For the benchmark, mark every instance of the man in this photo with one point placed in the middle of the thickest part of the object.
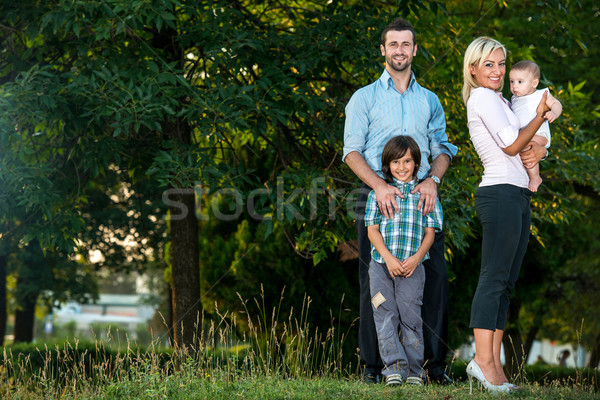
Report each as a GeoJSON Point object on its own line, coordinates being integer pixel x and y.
{"type": "Point", "coordinates": [397, 105]}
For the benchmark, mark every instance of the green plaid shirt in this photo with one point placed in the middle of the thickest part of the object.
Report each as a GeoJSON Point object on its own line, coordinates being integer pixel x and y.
{"type": "Point", "coordinates": [403, 233]}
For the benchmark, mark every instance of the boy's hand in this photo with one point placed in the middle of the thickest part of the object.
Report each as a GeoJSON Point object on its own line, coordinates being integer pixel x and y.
{"type": "Point", "coordinates": [394, 266]}
{"type": "Point", "coordinates": [409, 265]}
{"type": "Point", "coordinates": [550, 116]}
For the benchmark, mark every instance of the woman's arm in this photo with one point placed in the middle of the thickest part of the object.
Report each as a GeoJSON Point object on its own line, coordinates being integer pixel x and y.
{"type": "Point", "coordinates": [526, 133]}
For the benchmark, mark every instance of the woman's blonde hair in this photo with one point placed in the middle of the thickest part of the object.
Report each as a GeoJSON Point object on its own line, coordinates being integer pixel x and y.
{"type": "Point", "coordinates": [476, 53]}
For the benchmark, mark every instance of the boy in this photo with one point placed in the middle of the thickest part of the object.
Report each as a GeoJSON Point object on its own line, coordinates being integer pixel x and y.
{"type": "Point", "coordinates": [524, 78]}
{"type": "Point", "coordinates": [397, 277]}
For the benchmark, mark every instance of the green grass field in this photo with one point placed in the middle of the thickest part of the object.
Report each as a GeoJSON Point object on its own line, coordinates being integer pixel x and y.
{"type": "Point", "coordinates": [273, 360]}
{"type": "Point", "coordinates": [262, 387]}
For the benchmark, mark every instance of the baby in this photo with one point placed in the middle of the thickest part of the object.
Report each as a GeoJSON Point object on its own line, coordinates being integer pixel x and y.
{"type": "Point", "coordinates": [524, 78]}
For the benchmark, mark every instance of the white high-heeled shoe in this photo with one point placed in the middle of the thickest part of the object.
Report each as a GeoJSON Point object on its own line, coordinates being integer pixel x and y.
{"type": "Point", "coordinates": [512, 386]}
{"type": "Point", "coordinates": [473, 371]}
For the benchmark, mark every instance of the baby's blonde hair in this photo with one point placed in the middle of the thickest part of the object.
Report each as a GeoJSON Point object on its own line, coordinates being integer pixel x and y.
{"type": "Point", "coordinates": [476, 53]}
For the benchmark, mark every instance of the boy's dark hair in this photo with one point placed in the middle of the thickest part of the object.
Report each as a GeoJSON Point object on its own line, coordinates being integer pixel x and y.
{"type": "Point", "coordinates": [396, 148]}
{"type": "Point", "coordinates": [529, 66]}
{"type": "Point", "coordinates": [399, 24]}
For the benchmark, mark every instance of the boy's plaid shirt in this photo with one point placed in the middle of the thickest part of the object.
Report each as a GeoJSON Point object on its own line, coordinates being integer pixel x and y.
{"type": "Point", "coordinates": [403, 233]}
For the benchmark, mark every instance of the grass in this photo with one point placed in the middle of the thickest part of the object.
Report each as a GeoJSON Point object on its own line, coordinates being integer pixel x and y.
{"type": "Point", "coordinates": [262, 387]}
{"type": "Point", "coordinates": [271, 359]}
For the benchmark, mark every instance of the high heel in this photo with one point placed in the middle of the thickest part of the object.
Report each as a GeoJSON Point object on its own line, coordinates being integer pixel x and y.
{"type": "Point", "coordinates": [473, 371]}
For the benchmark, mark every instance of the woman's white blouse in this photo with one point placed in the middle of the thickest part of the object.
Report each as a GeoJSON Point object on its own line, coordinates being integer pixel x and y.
{"type": "Point", "coordinates": [493, 126]}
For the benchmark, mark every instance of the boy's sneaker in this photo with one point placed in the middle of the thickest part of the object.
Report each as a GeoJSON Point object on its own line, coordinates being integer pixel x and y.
{"type": "Point", "coordinates": [414, 380]}
{"type": "Point", "coordinates": [393, 380]}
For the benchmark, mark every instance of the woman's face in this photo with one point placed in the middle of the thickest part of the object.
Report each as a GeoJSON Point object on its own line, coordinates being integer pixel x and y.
{"type": "Point", "coordinates": [490, 73]}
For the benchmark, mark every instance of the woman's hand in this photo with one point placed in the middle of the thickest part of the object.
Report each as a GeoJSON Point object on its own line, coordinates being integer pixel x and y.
{"type": "Point", "coordinates": [543, 108]}
{"type": "Point", "coordinates": [532, 154]}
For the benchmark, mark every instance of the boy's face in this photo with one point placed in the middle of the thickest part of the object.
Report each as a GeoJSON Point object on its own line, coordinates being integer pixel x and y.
{"type": "Point", "coordinates": [403, 168]}
{"type": "Point", "coordinates": [522, 82]}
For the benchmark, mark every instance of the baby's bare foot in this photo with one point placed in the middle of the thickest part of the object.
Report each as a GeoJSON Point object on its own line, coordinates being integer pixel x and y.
{"type": "Point", "coordinates": [534, 183]}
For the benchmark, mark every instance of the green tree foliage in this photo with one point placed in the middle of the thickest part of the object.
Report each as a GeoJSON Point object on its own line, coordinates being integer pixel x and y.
{"type": "Point", "coordinates": [118, 111]}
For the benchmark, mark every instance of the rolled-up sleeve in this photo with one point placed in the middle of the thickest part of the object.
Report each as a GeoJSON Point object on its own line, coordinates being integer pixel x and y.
{"type": "Point", "coordinates": [439, 143]}
{"type": "Point", "coordinates": [435, 219]}
{"type": "Point", "coordinates": [372, 214]}
{"type": "Point", "coordinates": [493, 115]}
{"type": "Point", "coordinates": [357, 124]}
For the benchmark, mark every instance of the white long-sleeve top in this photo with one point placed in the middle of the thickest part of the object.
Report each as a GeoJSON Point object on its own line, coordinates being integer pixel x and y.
{"type": "Point", "coordinates": [492, 127]}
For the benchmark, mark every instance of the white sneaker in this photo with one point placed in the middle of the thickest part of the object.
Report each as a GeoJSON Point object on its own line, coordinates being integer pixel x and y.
{"type": "Point", "coordinates": [393, 380]}
{"type": "Point", "coordinates": [414, 380]}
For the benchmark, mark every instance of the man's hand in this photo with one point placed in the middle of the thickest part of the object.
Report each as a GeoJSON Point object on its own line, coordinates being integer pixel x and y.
{"type": "Point", "coordinates": [386, 199]}
{"type": "Point", "coordinates": [428, 191]}
{"type": "Point", "coordinates": [532, 154]}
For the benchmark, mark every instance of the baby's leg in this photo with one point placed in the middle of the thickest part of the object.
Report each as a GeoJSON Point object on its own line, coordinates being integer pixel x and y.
{"type": "Point", "coordinates": [535, 180]}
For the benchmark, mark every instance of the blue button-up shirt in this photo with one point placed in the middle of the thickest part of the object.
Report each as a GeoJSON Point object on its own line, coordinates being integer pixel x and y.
{"type": "Point", "coordinates": [378, 112]}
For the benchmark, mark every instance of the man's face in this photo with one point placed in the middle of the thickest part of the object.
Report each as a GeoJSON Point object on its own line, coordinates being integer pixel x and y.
{"type": "Point", "coordinates": [522, 82]}
{"type": "Point", "coordinates": [399, 50]}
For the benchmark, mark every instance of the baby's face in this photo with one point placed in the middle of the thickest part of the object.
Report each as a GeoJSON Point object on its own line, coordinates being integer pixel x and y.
{"type": "Point", "coordinates": [522, 82]}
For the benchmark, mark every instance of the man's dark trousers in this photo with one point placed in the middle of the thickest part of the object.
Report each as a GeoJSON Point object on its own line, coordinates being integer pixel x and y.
{"type": "Point", "coordinates": [435, 302]}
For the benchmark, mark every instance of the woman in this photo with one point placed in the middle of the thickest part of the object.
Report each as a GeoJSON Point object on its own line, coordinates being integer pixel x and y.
{"type": "Point", "coordinates": [502, 202]}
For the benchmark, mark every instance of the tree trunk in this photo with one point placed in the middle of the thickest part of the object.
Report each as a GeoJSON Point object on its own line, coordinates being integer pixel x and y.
{"type": "Point", "coordinates": [185, 271]}
{"type": "Point", "coordinates": [595, 356]}
{"type": "Point", "coordinates": [514, 354]}
{"type": "Point", "coordinates": [32, 276]}
{"type": "Point", "coordinates": [170, 319]}
{"type": "Point", "coordinates": [25, 314]}
{"type": "Point", "coordinates": [185, 263]}
{"type": "Point", "coordinates": [3, 315]}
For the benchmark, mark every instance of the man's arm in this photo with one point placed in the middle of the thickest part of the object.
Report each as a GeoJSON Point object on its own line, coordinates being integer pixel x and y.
{"type": "Point", "coordinates": [428, 188]}
{"type": "Point", "coordinates": [441, 151]}
{"type": "Point", "coordinates": [385, 194]}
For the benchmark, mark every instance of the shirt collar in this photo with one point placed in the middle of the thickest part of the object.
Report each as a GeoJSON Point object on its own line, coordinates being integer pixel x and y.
{"type": "Point", "coordinates": [405, 185]}
{"type": "Point", "coordinates": [388, 82]}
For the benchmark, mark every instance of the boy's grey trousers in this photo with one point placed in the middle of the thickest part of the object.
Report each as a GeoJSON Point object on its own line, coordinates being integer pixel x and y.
{"type": "Point", "coordinates": [398, 302]}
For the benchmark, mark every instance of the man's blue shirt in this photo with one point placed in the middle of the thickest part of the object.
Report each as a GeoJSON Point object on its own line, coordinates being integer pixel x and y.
{"type": "Point", "coordinates": [378, 112]}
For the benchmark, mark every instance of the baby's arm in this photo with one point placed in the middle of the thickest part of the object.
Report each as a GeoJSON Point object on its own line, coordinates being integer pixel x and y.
{"type": "Point", "coordinates": [393, 265]}
{"type": "Point", "coordinates": [410, 264]}
{"type": "Point", "coordinates": [555, 108]}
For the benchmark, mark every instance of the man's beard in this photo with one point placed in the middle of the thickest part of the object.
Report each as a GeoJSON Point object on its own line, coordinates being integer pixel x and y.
{"type": "Point", "coordinates": [398, 66]}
